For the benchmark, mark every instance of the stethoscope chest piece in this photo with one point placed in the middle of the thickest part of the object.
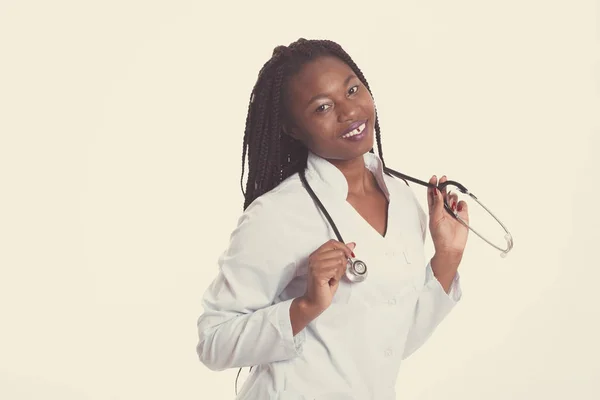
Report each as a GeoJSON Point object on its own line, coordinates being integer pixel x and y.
{"type": "Point", "coordinates": [356, 270]}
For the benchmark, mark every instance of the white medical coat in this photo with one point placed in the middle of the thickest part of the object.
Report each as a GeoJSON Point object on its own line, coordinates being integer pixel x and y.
{"type": "Point", "coordinates": [353, 350]}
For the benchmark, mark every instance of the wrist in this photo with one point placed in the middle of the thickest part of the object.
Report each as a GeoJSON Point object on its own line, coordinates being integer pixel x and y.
{"type": "Point", "coordinates": [302, 313]}
{"type": "Point", "coordinates": [307, 308]}
{"type": "Point", "coordinates": [446, 262]}
{"type": "Point", "coordinates": [444, 268]}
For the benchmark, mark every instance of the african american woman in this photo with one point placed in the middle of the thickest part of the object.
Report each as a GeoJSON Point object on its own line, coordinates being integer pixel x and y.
{"type": "Point", "coordinates": [282, 301]}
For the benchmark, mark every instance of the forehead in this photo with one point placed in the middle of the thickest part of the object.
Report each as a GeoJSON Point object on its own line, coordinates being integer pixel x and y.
{"type": "Point", "coordinates": [322, 75]}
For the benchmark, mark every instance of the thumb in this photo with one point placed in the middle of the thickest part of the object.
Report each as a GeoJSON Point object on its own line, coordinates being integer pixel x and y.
{"type": "Point", "coordinates": [351, 245]}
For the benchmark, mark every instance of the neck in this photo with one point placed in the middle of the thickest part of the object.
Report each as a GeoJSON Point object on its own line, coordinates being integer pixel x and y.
{"type": "Point", "coordinates": [359, 178]}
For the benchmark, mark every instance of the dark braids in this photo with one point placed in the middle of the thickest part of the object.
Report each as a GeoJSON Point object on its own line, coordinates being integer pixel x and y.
{"type": "Point", "coordinates": [272, 155]}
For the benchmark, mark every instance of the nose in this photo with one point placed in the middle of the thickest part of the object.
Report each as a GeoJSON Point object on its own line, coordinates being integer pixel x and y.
{"type": "Point", "coordinates": [346, 111]}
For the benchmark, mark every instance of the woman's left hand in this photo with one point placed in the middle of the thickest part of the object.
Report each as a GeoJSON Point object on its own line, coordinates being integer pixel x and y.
{"type": "Point", "coordinates": [448, 234]}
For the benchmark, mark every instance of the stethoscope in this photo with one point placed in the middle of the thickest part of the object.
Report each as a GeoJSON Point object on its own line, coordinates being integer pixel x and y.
{"type": "Point", "coordinates": [356, 270]}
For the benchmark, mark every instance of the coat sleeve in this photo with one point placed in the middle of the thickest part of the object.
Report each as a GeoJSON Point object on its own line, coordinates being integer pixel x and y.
{"type": "Point", "coordinates": [433, 304]}
{"type": "Point", "coordinates": [243, 323]}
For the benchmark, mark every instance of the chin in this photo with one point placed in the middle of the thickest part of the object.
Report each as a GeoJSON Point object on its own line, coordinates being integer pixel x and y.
{"type": "Point", "coordinates": [361, 150]}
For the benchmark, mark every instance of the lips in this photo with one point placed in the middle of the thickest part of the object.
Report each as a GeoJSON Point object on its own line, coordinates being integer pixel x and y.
{"type": "Point", "coordinates": [353, 126]}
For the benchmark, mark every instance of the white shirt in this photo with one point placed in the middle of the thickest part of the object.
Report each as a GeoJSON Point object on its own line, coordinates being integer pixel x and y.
{"type": "Point", "coordinates": [353, 350]}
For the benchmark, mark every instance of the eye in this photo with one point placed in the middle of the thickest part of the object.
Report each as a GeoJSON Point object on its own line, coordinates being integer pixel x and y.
{"type": "Point", "coordinates": [353, 89]}
{"type": "Point", "coordinates": [322, 108]}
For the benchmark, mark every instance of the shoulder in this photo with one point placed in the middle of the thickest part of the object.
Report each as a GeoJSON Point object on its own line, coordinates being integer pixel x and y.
{"type": "Point", "coordinates": [272, 230]}
{"type": "Point", "coordinates": [277, 209]}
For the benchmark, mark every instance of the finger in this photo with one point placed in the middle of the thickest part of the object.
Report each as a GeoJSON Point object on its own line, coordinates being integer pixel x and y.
{"type": "Point", "coordinates": [338, 271]}
{"type": "Point", "coordinates": [444, 189]}
{"type": "Point", "coordinates": [333, 269]}
{"type": "Point", "coordinates": [437, 207]}
{"type": "Point", "coordinates": [328, 255]}
{"type": "Point", "coordinates": [463, 211]}
{"type": "Point", "coordinates": [333, 244]}
{"type": "Point", "coordinates": [452, 200]}
{"type": "Point", "coordinates": [431, 193]}
{"type": "Point", "coordinates": [330, 264]}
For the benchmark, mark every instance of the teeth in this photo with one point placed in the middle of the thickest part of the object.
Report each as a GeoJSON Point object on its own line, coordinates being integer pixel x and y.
{"type": "Point", "coordinates": [355, 132]}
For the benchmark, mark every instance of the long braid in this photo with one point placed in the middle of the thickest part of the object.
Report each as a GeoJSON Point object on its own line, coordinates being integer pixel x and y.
{"type": "Point", "coordinates": [275, 112]}
{"type": "Point", "coordinates": [244, 145]}
{"type": "Point", "coordinates": [378, 138]}
{"type": "Point", "coordinates": [272, 168]}
{"type": "Point", "coordinates": [256, 144]}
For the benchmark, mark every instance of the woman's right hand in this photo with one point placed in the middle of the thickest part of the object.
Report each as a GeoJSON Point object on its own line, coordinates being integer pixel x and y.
{"type": "Point", "coordinates": [326, 266]}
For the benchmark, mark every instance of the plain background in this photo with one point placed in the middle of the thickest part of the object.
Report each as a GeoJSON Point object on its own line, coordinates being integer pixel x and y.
{"type": "Point", "coordinates": [120, 159]}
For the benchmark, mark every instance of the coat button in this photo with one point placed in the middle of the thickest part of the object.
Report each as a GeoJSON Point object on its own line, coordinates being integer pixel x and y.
{"type": "Point", "coordinates": [392, 301]}
{"type": "Point", "coordinates": [388, 352]}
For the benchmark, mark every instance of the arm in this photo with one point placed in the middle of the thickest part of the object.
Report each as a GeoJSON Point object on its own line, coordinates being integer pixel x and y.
{"type": "Point", "coordinates": [301, 314]}
{"type": "Point", "coordinates": [440, 293]}
{"type": "Point", "coordinates": [433, 305]}
{"type": "Point", "coordinates": [240, 325]}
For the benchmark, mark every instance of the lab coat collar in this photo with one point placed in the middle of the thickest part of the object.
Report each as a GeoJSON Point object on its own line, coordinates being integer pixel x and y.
{"type": "Point", "coordinates": [332, 177]}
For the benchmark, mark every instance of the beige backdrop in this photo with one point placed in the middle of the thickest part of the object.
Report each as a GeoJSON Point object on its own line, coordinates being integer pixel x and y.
{"type": "Point", "coordinates": [120, 153]}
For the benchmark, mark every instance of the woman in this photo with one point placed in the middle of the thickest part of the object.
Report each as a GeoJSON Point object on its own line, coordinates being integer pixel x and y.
{"type": "Point", "coordinates": [280, 301]}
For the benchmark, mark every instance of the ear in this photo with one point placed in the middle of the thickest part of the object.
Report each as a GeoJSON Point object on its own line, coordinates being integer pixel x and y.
{"type": "Point", "coordinates": [290, 131]}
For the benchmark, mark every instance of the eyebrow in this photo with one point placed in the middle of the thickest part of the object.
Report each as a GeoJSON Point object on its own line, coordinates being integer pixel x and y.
{"type": "Point", "coordinates": [315, 97]}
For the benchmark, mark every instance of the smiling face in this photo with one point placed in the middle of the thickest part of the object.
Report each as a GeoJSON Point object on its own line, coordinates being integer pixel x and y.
{"type": "Point", "coordinates": [330, 110]}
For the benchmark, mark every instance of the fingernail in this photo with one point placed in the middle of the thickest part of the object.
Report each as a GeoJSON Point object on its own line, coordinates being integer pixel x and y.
{"type": "Point", "coordinates": [353, 254]}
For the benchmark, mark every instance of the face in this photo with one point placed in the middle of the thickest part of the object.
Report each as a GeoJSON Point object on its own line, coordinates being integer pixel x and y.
{"type": "Point", "coordinates": [331, 111]}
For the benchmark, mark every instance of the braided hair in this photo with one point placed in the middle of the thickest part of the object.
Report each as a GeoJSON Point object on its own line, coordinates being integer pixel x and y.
{"type": "Point", "coordinates": [273, 155]}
